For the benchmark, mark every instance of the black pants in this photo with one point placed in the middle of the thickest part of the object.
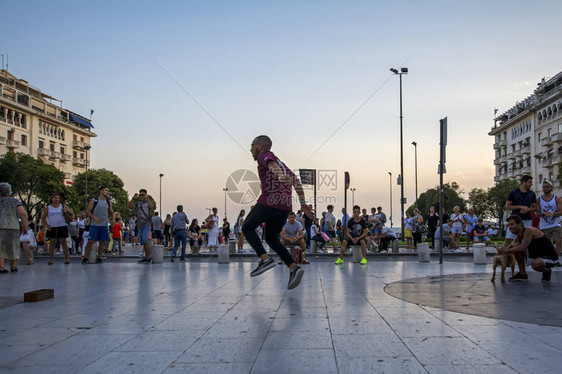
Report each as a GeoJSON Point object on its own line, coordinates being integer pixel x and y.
{"type": "Point", "coordinates": [417, 238]}
{"type": "Point", "coordinates": [431, 232]}
{"type": "Point", "coordinates": [274, 219]}
{"type": "Point", "coordinates": [385, 241]}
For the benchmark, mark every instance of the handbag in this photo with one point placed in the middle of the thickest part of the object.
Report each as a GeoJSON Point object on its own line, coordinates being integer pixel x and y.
{"type": "Point", "coordinates": [325, 236]}
{"type": "Point", "coordinates": [68, 215]}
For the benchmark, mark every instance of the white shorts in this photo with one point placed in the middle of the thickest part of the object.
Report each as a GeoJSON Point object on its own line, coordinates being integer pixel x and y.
{"type": "Point", "coordinates": [456, 230]}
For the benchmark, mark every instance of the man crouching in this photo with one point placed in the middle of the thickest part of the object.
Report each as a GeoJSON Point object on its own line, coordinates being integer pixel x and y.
{"type": "Point", "coordinates": [531, 241]}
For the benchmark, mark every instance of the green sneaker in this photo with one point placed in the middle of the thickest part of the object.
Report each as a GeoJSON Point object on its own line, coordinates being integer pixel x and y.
{"type": "Point", "coordinates": [363, 261]}
{"type": "Point", "coordinates": [339, 261]}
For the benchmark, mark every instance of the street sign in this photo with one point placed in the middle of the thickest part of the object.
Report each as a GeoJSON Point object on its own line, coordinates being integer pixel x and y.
{"type": "Point", "coordinates": [346, 180]}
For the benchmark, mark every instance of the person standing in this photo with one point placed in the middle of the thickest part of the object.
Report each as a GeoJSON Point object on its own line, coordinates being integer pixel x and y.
{"type": "Point", "coordinates": [417, 227]}
{"type": "Point", "coordinates": [101, 215]}
{"type": "Point", "coordinates": [213, 230]}
{"type": "Point", "coordinates": [238, 230]}
{"type": "Point", "coordinates": [157, 226]}
{"type": "Point", "coordinates": [272, 208]}
{"type": "Point", "coordinates": [344, 222]}
{"type": "Point", "coordinates": [458, 220]}
{"type": "Point", "coordinates": [307, 223]}
{"type": "Point", "coordinates": [550, 212]}
{"type": "Point", "coordinates": [471, 220]}
{"type": "Point", "coordinates": [330, 226]}
{"type": "Point", "coordinates": [143, 206]}
{"type": "Point", "coordinates": [133, 230]}
{"type": "Point", "coordinates": [432, 221]}
{"type": "Point", "coordinates": [179, 224]}
{"type": "Point", "coordinates": [225, 230]}
{"type": "Point", "coordinates": [53, 218]}
{"type": "Point", "coordinates": [13, 223]}
{"type": "Point", "coordinates": [167, 232]}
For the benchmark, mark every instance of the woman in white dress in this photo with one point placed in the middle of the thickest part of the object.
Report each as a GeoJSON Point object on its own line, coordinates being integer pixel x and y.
{"type": "Point", "coordinates": [213, 230]}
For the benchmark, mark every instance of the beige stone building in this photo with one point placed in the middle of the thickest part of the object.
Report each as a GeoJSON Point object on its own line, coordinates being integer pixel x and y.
{"type": "Point", "coordinates": [528, 137]}
{"type": "Point", "coordinates": [35, 123]}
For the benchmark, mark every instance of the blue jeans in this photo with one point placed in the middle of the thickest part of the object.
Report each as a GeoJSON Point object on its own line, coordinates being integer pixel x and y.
{"type": "Point", "coordinates": [180, 235]}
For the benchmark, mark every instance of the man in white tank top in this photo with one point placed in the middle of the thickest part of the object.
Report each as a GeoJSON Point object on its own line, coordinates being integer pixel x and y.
{"type": "Point", "coordinates": [550, 212]}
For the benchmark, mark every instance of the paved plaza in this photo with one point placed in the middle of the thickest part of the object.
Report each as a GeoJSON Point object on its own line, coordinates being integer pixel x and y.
{"type": "Point", "coordinates": [205, 317]}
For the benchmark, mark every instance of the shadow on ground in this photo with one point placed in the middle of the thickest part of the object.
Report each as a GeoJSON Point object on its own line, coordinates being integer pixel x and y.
{"type": "Point", "coordinates": [530, 302]}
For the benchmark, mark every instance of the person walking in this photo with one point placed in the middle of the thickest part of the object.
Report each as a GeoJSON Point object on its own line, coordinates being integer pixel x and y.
{"type": "Point", "coordinates": [179, 224]}
{"type": "Point", "coordinates": [101, 215]}
{"type": "Point", "coordinates": [53, 218]}
{"type": "Point", "coordinates": [13, 223]}
{"type": "Point", "coordinates": [143, 206]}
{"type": "Point", "coordinates": [273, 208]}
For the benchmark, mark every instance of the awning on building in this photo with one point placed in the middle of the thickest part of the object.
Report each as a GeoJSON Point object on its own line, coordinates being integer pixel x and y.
{"type": "Point", "coordinates": [80, 120]}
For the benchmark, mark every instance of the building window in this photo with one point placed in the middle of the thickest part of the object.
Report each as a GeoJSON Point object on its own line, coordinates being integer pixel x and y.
{"type": "Point", "coordinates": [539, 137]}
{"type": "Point", "coordinates": [549, 132]}
{"type": "Point", "coordinates": [24, 140]}
{"type": "Point", "coordinates": [62, 150]}
{"type": "Point", "coordinates": [41, 144]}
{"type": "Point", "coordinates": [52, 147]}
{"type": "Point", "coordinates": [23, 121]}
{"type": "Point", "coordinates": [75, 154]}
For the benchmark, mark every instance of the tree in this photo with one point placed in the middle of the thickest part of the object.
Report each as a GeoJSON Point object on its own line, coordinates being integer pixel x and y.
{"type": "Point", "coordinates": [32, 181]}
{"type": "Point", "coordinates": [479, 200]}
{"type": "Point", "coordinates": [497, 196]}
{"type": "Point", "coordinates": [96, 178]}
{"type": "Point", "coordinates": [451, 198]}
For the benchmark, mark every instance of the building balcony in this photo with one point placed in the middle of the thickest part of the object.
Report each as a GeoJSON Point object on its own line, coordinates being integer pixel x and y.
{"type": "Point", "coordinates": [65, 158]}
{"type": "Point", "coordinates": [78, 162]}
{"type": "Point", "coordinates": [552, 161]}
{"type": "Point", "coordinates": [2, 140]}
{"type": "Point", "coordinates": [525, 170]}
{"type": "Point", "coordinates": [546, 141]}
{"type": "Point", "coordinates": [43, 152]}
{"type": "Point", "coordinates": [78, 144]}
{"type": "Point", "coordinates": [526, 150]}
{"type": "Point", "coordinates": [67, 175]}
{"type": "Point", "coordinates": [10, 143]}
{"type": "Point", "coordinates": [54, 155]}
{"type": "Point", "coordinates": [511, 156]}
{"type": "Point", "coordinates": [556, 138]}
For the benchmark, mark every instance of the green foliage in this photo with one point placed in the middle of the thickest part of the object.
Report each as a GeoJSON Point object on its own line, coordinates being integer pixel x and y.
{"type": "Point", "coordinates": [97, 178]}
{"type": "Point", "coordinates": [478, 200]}
{"type": "Point", "coordinates": [32, 181]}
{"type": "Point", "coordinates": [497, 196]}
{"type": "Point", "coordinates": [451, 198]}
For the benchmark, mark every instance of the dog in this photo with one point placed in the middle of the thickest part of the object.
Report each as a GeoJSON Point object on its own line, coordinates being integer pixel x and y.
{"type": "Point", "coordinates": [505, 260]}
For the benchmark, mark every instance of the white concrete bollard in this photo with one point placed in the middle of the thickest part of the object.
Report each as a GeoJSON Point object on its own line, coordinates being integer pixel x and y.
{"type": "Point", "coordinates": [232, 246]}
{"type": "Point", "coordinates": [224, 255]}
{"type": "Point", "coordinates": [356, 253]}
{"type": "Point", "coordinates": [313, 246]}
{"type": "Point", "coordinates": [157, 254]}
{"type": "Point", "coordinates": [93, 253]}
{"type": "Point", "coordinates": [423, 252]}
{"type": "Point", "coordinates": [479, 253]}
{"type": "Point", "coordinates": [395, 246]}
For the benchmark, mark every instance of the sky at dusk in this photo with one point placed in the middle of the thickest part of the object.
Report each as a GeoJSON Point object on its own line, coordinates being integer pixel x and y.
{"type": "Point", "coordinates": [182, 87]}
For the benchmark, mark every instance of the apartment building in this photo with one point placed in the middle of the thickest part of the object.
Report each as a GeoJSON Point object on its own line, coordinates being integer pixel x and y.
{"type": "Point", "coordinates": [35, 123]}
{"type": "Point", "coordinates": [528, 136]}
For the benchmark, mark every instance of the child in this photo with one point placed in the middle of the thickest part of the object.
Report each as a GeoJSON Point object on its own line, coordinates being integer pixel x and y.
{"type": "Point", "coordinates": [116, 233]}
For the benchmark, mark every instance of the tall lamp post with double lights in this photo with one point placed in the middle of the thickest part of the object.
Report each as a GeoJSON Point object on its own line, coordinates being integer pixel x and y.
{"type": "Point", "coordinates": [390, 175]}
{"type": "Point", "coordinates": [400, 73]}
{"type": "Point", "coordinates": [416, 168]}
{"type": "Point", "coordinates": [353, 196]}
{"type": "Point", "coordinates": [161, 212]}
{"type": "Point", "coordinates": [87, 148]}
{"type": "Point", "coordinates": [225, 190]}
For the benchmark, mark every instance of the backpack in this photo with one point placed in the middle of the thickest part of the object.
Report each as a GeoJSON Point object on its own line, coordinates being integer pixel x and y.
{"type": "Point", "coordinates": [96, 203]}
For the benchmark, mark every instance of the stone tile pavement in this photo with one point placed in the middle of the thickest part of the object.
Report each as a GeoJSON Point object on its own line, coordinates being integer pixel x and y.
{"type": "Point", "coordinates": [205, 317]}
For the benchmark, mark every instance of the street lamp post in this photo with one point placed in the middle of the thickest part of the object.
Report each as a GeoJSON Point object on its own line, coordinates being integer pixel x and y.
{"type": "Point", "coordinates": [161, 211]}
{"type": "Point", "coordinates": [87, 148]}
{"type": "Point", "coordinates": [390, 175]}
{"type": "Point", "coordinates": [400, 73]}
{"type": "Point", "coordinates": [225, 190]}
{"type": "Point", "coordinates": [416, 168]}
{"type": "Point", "coordinates": [353, 196]}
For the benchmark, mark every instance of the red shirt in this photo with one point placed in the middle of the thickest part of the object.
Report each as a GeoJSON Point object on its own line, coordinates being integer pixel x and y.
{"type": "Point", "coordinates": [116, 231]}
{"type": "Point", "coordinates": [274, 194]}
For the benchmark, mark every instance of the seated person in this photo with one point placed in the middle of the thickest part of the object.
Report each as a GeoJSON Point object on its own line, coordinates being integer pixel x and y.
{"type": "Point", "coordinates": [386, 236]}
{"type": "Point", "coordinates": [195, 234]}
{"type": "Point", "coordinates": [447, 237]}
{"type": "Point", "coordinates": [531, 241]}
{"type": "Point", "coordinates": [356, 233]}
{"type": "Point", "coordinates": [372, 236]}
{"type": "Point", "coordinates": [317, 235]}
{"type": "Point", "coordinates": [292, 234]}
{"type": "Point", "coordinates": [480, 233]}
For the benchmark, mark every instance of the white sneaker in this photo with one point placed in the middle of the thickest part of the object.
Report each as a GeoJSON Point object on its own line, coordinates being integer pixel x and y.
{"type": "Point", "coordinates": [383, 251]}
{"type": "Point", "coordinates": [458, 250]}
